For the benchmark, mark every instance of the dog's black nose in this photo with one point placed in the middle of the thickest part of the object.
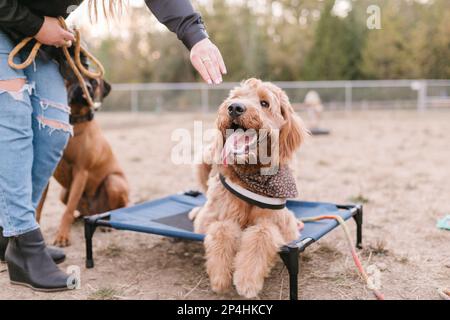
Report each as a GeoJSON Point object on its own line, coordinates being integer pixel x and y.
{"type": "Point", "coordinates": [236, 109]}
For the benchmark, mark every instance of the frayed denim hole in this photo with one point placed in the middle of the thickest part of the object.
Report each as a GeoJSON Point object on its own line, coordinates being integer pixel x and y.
{"type": "Point", "coordinates": [54, 125]}
{"type": "Point", "coordinates": [45, 104]}
{"type": "Point", "coordinates": [20, 94]}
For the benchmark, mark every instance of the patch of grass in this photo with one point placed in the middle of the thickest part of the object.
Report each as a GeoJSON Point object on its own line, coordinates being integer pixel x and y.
{"type": "Point", "coordinates": [379, 248]}
{"type": "Point", "coordinates": [323, 163]}
{"type": "Point", "coordinates": [401, 258]}
{"type": "Point", "coordinates": [326, 249]}
{"type": "Point", "coordinates": [106, 293]}
{"type": "Point", "coordinates": [112, 251]}
{"type": "Point", "coordinates": [360, 198]}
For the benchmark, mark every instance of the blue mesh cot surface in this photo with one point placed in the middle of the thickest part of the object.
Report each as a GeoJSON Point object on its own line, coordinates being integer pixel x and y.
{"type": "Point", "coordinates": [169, 217]}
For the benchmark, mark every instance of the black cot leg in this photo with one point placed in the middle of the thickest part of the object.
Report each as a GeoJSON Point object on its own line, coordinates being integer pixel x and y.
{"type": "Point", "coordinates": [359, 220]}
{"type": "Point", "coordinates": [89, 230]}
{"type": "Point", "coordinates": [289, 255]}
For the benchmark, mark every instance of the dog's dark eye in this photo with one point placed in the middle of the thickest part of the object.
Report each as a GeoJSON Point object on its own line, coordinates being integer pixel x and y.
{"type": "Point", "coordinates": [264, 104]}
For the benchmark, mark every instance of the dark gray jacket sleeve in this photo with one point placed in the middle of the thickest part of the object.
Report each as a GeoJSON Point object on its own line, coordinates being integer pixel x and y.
{"type": "Point", "coordinates": [179, 17]}
{"type": "Point", "coordinates": [16, 16]}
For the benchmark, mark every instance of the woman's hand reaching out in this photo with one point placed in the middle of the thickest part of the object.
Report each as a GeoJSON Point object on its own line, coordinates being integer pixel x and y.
{"type": "Point", "coordinates": [52, 34]}
{"type": "Point", "coordinates": [207, 60]}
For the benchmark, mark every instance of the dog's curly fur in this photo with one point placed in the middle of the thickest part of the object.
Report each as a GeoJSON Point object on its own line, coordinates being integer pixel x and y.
{"type": "Point", "coordinates": [242, 240]}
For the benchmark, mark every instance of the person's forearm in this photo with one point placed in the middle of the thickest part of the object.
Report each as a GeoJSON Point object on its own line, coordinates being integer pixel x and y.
{"type": "Point", "coordinates": [179, 17]}
{"type": "Point", "coordinates": [17, 17]}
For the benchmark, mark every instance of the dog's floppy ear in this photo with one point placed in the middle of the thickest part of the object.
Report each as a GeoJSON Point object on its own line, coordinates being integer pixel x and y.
{"type": "Point", "coordinates": [293, 131]}
{"type": "Point", "coordinates": [106, 88]}
{"type": "Point", "coordinates": [251, 82]}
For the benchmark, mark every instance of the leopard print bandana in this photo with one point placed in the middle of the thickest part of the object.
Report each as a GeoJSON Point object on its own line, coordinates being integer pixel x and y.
{"type": "Point", "coordinates": [279, 185]}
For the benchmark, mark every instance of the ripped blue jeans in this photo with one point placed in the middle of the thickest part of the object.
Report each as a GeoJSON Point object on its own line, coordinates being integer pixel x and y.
{"type": "Point", "coordinates": [34, 130]}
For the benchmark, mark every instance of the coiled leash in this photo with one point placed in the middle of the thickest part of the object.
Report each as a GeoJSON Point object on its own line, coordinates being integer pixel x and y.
{"type": "Point", "coordinates": [77, 67]}
{"type": "Point", "coordinates": [356, 259]}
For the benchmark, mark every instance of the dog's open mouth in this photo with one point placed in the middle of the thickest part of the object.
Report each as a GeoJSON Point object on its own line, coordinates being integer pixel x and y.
{"type": "Point", "coordinates": [240, 146]}
{"type": "Point", "coordinates": [235, 126]}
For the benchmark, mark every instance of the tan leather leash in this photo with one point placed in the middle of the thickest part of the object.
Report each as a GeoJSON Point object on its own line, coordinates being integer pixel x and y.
{"type": "Point", "coordinates": [77, 67]}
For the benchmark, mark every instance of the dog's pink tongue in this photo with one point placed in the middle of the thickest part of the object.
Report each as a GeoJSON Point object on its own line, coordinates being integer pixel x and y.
{"type": "Point", "coordinates": [237, 144]}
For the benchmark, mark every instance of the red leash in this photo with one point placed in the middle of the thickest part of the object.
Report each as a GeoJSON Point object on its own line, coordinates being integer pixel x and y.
{"type": "Point", "coordinates": [355, 256]}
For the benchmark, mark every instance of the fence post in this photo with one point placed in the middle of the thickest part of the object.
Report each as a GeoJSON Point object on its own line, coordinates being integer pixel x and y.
{"type": "Point", "coordinates": [422, 96]}
{"type": "Point", "coordinates": [134, 100]}
{"type": "Point", "coordinates": [348, 96]}
{"type": "Point", "coordinates": [205, 98]}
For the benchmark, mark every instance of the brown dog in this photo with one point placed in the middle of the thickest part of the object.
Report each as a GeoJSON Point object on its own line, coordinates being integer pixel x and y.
{"type": "Point", "coordinates": [90, 174]}
{"type": "Point", "coordinates": [242, 239]}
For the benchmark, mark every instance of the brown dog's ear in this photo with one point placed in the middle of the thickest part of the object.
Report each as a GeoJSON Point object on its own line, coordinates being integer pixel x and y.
{"type": "Point", "coordinates": [293, 132]}
{"type": "Point", "coordinates": [106, 88]}
{"type": "Point", "coordinates": [251, 82]}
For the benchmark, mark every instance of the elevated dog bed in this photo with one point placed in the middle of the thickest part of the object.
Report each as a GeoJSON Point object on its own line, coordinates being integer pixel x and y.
{"type": "Point", "coordinates": [169, 217]}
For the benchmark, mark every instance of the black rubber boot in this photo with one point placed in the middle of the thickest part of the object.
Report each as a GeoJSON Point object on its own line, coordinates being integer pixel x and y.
{"type": "Point", "coordinates": [29, 264]}
{"type": "Point", "coordinates": [57, 254]}
{"type": "Point", "coordinates": [3, 245]}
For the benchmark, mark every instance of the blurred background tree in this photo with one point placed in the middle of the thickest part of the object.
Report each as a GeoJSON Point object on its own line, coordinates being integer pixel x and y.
{"type": "Point", "coordinates": [336, 52]}
{"type": "Point", "coordinates": [285, 40]}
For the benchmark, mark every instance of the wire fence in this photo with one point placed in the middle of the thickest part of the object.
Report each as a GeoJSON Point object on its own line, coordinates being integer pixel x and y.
{"type": "Point", "coordinates": [335, 95]}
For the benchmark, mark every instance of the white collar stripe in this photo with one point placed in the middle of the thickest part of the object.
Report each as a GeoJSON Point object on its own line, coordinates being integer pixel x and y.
{"type": "Point", "coordinates": [257, 199]}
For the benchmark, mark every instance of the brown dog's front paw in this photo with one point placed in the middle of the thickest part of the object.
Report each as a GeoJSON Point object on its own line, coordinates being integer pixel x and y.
{"type": "Point", "coordinates": [300, 225]}
{"type": "Point", "coordinates": [247, 285]}
{"type": "Point", "coordinates": [220, 284]}
{"type": "Point", "coordinates": [193, 213]}
{"type": "Point", "coordinates": [62, 240]}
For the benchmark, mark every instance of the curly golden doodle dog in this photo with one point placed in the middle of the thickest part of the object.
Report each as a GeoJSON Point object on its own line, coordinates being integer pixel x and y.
{"type": "Point", "coordinates": [243, 235]}
{"type": "Point", "coordinates": [92, 179]}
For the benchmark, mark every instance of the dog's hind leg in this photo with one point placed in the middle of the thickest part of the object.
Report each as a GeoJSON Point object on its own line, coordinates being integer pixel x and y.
{"type": "Point", "coordinates": [41, 204]}
{"type": "Point", "coordinates": [203, 217]}
{"type": "Point", "coordinates": [193, 213]}
{"type": "Point", "coordinates": [117, 190]}
{"type": "Point", "coordinates": [221, 243]}
{"type": "Point", "coordinates": [64, 195]}
{"type": "Point", "coordinates": [257, 252]}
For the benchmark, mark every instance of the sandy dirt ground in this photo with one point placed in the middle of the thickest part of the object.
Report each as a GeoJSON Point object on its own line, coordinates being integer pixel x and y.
{"type": "Point", "coordinates": [396, 162]}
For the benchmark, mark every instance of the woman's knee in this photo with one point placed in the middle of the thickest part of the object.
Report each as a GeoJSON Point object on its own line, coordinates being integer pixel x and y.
{"type": "Point", "coordinates": [54, 133]}
{"type": "Point", "coordinates": [14, 91]}
{"type": "Point", "coordinates": [63, 128]}
{"type": "Point", "coordinates": [13, 85]}
{"type": "Point", "coordinates": [51, 121]}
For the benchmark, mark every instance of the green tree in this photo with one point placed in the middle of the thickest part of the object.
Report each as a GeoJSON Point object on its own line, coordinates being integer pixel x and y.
{"type": "Point", "coordinates": [431, 44]}
{"type": "Point", "coordinates": [414, 41]}
{"type": "Point", "coordinates": [336, 51]}
{"type": "Point", "coordinates": [287, 40]}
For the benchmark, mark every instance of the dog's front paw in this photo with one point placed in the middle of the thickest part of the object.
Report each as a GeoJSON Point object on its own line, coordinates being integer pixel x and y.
{"type": "Point", "coordinates": [248, 284]}
{"type": "Point", "coordinates": [300, 225]}
{"type": "Point", "coordinates": [62, 239]}
{"type": "Point", "coordinates": [193, 213]}
{"type": "Point", "coordinates": [220, 284]}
